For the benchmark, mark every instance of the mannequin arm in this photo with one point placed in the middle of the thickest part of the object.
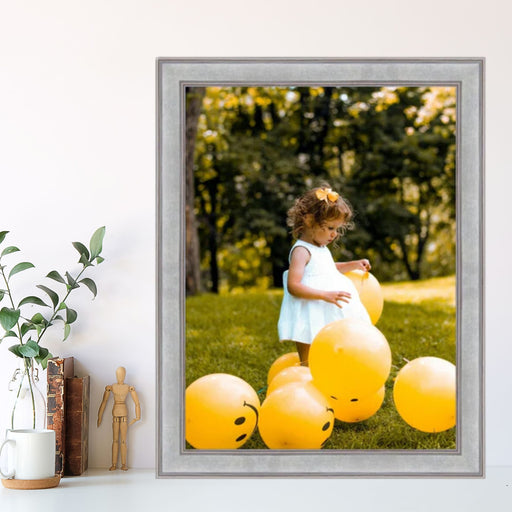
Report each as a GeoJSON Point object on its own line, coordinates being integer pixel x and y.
{"type": "Point", "coordinates": [135, 398]}
{"type": "Point", "coordinates": [106, 394]}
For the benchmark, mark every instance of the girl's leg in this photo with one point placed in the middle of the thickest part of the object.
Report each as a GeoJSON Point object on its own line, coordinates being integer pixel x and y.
{"type": "Point", "coordinates": [303, 350]}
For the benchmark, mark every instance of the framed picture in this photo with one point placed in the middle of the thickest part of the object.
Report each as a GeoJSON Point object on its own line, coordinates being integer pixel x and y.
{"type": "Point", "coordinates": [237, 141]}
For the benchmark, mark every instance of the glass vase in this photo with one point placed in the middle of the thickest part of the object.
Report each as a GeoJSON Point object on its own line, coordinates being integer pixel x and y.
{"type": "Point", "coordinates": [28, 403]}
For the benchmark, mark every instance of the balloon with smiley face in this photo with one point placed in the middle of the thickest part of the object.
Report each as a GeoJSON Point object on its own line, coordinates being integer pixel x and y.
{"type": "Point", "coordinates": [296, 416]}
{"type": "Point", "coordinates": [221, 412]}
{"type": "Point", "coordinates": [349, 358]}
{"type": "Point", "coordinates": [353, 410]}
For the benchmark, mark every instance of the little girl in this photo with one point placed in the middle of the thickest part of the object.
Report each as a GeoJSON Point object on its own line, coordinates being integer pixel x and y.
{"type": "Point", "coordinates": [315, 290]}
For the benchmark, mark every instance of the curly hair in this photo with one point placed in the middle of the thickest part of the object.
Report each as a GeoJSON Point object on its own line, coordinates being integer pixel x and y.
{"type": "Point", "coordinates": [321, 210]}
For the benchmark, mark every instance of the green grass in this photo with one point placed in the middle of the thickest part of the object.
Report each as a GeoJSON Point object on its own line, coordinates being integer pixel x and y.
{"type": "Point", "coordinates": [237, 334]}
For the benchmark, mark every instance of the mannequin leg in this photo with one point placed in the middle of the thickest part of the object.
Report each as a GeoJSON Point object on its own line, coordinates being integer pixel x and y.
{"type": "Point", "coordinates": [124, 433]}
{"type": "Point", "coordinates": [115, 443]}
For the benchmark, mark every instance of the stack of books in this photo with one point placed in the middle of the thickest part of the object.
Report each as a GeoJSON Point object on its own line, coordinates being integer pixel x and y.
{"type": "Point", "coordinates": [68, 414]}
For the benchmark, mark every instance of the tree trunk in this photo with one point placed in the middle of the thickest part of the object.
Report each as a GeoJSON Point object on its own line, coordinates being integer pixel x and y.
{"type": "Point", "coordinates": [213, 243]}
{"type": "Point", "coordinates": [279, 249]}
{"type": "Point", "coordinates": [414, 274]}
{"type": "Point", "coordinates": [192, 263]}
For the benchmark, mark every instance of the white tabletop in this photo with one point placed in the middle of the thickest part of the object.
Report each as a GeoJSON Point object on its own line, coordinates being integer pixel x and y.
{"type": "Point", "coordinates": [140, 490]}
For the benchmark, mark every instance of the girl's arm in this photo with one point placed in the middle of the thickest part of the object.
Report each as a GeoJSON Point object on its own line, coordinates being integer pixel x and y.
{"type": "Point", "coordinates": [299, 260]}
{"type": "Point", "coordinates": [347, 266]}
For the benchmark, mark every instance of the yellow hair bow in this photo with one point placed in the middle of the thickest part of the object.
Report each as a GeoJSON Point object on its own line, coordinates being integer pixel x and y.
{"type": "Point", "coordinates": [326, 194]}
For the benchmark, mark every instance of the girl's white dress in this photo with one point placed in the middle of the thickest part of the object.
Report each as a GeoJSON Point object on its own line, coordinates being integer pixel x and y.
{"type": "Point", "coordinates": [301, 319]}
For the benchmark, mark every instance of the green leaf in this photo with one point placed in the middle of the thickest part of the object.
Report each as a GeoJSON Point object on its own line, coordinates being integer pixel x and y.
{"type": "Point", "coordinates": [71, 282]}
{"type": "Point", "coordinates": [33, 300]}
{"type": "Point", "coordinates": [2, 235]}
{"type": "Point", "coordinates": [53, 295]}
{"type": "Point", "coordinates": [84, 261]}
{"type": "Point", "coordinates": [39, 323]}
{"type": "Point", "coordinates": [67, 330]}
{"type": "Point", "coordinates": [30, 349]}
{"type": "Point", "coordinates": [2, 294]}
{"type": "Point", "coordinates": [62, 306]}
{"type": "Point", "coordinates": [96, 243]}
{"type": "Point", "coordinates": [9, 318]}
{"type": "Point", "coordinates": [71, 315]}
{"type": "Point", "coordinates": [38, 319]}
{"type": "Point", "coordinates": [15, 349]}
{"type": "Point", "coordinates": [26, 327]}
{"type": "Point", "coordinates": [9, 250]}
{"type": "Point", "coordinates": [90, 284]}
{"type": "Point", "coordinates": [80, 247]}
{"type": "Point", "coordinates": [42, 357]}
{"type": "Point", "coordinates": [56, 277]}
{"type": "Point", "coordinates": [9, 334]}
{"type": "Point", "coordinates": [20, 267]}
{"type": "Point", "coordinates": [99, 260]}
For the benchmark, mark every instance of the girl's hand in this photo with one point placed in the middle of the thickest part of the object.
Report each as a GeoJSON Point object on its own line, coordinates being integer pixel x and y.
{"type": "Point", "coordinates": [335, 297]}
{"type": "Point", "coordinates": [363, 264]}
{"type": "Point", "coordinates": [348, 266]}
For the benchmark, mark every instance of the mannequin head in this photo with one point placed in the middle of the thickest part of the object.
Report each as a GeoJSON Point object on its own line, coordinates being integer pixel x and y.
{"type": "Point", "coordinates": [120, 375]}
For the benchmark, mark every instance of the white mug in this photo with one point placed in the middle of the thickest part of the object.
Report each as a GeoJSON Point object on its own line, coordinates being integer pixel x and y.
{"type": "Point", "coordinates": [31, 455]}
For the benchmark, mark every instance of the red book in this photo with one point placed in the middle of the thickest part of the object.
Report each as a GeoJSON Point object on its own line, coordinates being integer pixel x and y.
{"type": "Point", "coordinates": [58, 370]}
{"type": "Point", "coordinates": [77, 425]}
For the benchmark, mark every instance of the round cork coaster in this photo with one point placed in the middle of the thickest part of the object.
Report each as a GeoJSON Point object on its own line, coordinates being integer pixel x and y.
{"type": "Point", "coordinates": [43, 483]}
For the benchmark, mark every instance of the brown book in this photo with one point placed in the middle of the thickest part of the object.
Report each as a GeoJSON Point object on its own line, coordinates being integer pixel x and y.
{"type": "Point", "coordinates": [77, 425]}
{"type": "Point", "coordinates": [58, 370]}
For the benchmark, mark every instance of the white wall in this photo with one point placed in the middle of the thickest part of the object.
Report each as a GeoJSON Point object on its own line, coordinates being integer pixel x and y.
{"type": "Point", "coordinates": [77, 151]}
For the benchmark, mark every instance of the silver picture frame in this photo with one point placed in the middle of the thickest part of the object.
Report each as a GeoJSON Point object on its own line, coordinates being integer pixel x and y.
{"type": "Point", "coordinates": [173, 75]}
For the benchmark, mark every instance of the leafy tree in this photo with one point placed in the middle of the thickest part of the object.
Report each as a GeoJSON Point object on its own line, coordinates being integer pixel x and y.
{"type": "Point", "coordinates": [403, 176]}
{"type": "Point", "coordinates": [390, 151]}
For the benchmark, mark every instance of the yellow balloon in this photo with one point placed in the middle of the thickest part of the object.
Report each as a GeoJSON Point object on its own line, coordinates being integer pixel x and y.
{"type": "Point", "coordinates": [349, 358]}
{"type": "Point", "coordinates": [425, 394]}
{"type": "Point", "coordinates": [369, 291]}
{"type": "Point", "coordinates": [284, 361]}
{"type": "Point", "coordinates": [296, 416]}
{"type": "Point", "coordinates": [221, 412]}
{"type": "Point", "coordinates": [358, 409]}
{"type": "Point", "coordinates": [290, 374]}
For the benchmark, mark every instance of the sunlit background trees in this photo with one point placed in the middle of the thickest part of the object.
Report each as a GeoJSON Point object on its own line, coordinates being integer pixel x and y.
{"type": "Point", "coordinates": [391, 151]}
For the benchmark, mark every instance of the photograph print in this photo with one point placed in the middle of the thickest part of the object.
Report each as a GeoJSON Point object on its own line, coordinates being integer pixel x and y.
{"type": "Point", "coordinates": [387, 156]}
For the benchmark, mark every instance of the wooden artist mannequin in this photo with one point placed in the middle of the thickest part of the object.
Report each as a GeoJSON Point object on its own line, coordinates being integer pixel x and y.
{"type": "Point", "coordinates": [119, 415]}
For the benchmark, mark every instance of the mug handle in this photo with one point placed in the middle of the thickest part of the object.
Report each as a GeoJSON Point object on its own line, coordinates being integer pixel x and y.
{"type": "Point", "coordinates": [7, 475]}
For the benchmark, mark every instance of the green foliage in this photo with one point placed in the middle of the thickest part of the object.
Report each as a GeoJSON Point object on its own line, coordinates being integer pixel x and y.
{"type": "Point", "coordinates": [389, 150]}
{"type": "Point", "coordinates": [9, 317]}
{"type": "Point", "coordinates": [237, 334]}
{"type": "Point", "coordinates": [28, 332]}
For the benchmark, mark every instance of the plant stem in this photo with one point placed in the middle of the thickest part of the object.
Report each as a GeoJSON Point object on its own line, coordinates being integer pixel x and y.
{"type": "Point", "coordinates": [27, 365]}
{"type": "Point", "coordinates": [55, 311]}
{"type": "Point", "coordinates": [12, 304]}
{"type": "Point", "coordinates": [16, 401]}
{"type": "Point", "coordinates": [29, 369]}
{"type": "Point", "coordinates": [26, 362]}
